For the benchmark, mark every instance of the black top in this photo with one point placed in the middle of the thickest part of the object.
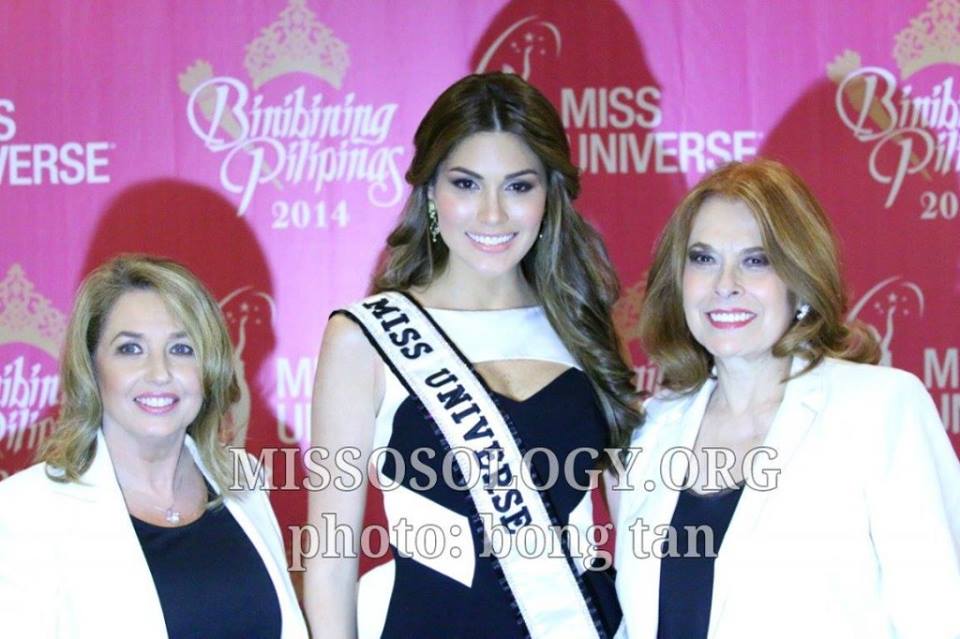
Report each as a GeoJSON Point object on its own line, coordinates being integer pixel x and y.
{"type": "Point", "coordinates": [562, 416]}
{"type": "Point", "coordinates": [211, 580]}
{"type": "Point", "coordinates": [686, 582]}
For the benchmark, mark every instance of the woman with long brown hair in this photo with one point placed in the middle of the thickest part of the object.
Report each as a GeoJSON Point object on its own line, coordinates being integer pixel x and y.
{"type": "Point", "coordinates": [489, 333]}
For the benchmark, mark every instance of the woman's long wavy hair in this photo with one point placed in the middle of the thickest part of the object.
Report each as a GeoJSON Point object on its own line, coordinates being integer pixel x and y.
{"type": "Point", "coordinates": [568, 268]}
{"type": "Point", "coordinates": [72, 446]}
{"type": "Point", "coordinates": [801, 245]}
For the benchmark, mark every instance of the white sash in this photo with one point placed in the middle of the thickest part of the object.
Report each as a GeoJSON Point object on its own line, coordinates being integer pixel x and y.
{"type": "Point", "coordinates": [547, 590]}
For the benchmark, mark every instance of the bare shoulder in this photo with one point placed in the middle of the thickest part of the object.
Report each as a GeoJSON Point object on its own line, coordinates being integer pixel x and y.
{"type": "Point", "coordinates": [346, 347]}
{"type": "Point", "coordinates": [345, 343]}
{"type": "Point", "coordinates": [342, 332]}
{"type": "Point", "coordinates": [349, 385]}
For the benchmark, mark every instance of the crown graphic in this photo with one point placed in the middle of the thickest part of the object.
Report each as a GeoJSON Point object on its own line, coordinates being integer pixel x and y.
{"type": "Point", "coordinates": [932, 37]}
{"type": "Point", "coordinates": [297, 41]}
{"type": "Point", "coordinates": [28, 317]}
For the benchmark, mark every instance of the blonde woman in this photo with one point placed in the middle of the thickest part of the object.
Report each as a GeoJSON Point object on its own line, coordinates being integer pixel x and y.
{"type": "Point", "coordinates": [128, 526]}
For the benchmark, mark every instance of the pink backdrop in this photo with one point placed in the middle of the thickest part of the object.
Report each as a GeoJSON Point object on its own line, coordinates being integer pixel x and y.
{"type": "Point", "coordinates": [263, 143]}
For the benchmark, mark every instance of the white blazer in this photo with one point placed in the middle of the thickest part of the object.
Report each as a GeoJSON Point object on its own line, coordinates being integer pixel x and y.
{"type": "Point", "coordinates": [71, 564]}
{"type": "Point", "coordinates": [859, 539]}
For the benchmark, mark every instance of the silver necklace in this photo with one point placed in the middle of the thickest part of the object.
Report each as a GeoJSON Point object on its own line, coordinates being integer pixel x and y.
{"type": "Point", "coordinates": [170, 514]}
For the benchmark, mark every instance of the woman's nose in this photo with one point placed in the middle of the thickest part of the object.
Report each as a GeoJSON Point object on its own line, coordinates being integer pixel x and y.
{"type": "Point", "coordinates": [492, 211]}
{"type": "Point", "coordinates": [728, 281]}
{"type": "Point", "coordinates": [158, 368]}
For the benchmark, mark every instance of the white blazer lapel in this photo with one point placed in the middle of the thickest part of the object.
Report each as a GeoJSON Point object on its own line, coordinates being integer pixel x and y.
{"type": "Point", "coordinates": [689, 430]}
{"type": "Point", "coordinates": [803, 400]}
{"type": "Point", "coordinates": [676, 427]}
{"type": "Point", "coordinates": [114, 590]}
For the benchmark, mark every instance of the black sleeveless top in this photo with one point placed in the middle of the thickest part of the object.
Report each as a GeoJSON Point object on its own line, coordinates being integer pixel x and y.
{"type": "Point", "coordinates": [686, 583]}
{"type": "Point", "coordinates": [211, 580]}
{"type": "Point", "coordinates": [422, 600]}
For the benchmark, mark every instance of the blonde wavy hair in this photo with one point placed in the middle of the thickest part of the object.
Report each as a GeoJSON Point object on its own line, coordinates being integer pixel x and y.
{"type": "Point", "coordinates": [70, 449]}
{"type": "Point", "coordinates": [802, 247]}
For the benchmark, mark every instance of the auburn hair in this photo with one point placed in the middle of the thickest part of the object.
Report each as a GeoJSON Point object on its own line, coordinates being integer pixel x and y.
{"type": "Point", "coordinates": [802, 248]}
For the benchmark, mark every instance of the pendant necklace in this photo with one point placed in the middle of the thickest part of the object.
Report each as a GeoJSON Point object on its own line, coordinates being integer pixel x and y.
{"type": "Point", "coordinates": [171, 515]}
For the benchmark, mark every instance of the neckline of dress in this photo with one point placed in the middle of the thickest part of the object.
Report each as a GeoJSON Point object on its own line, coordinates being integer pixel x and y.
{"type": "Point", "coordinates": [516, 309]}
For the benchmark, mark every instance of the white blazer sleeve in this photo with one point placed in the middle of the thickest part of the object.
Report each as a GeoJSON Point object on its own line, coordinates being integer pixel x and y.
{"type": "Point", "coordinates": [913, 501]}
{"type": "Point", "coordinates": [28, 581]}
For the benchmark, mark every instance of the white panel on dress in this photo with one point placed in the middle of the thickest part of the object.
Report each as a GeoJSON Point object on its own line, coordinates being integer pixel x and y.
{"type": "Point", "coordinates": [513, 333]}
{"type": "Point", "coordinates": [410, 515]}
{"type": "Point", "coordinates": [372, 604]}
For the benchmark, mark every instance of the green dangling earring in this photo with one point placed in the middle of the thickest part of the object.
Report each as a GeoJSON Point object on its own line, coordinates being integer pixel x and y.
{"type": "Point", "coordinates": [434, 223]}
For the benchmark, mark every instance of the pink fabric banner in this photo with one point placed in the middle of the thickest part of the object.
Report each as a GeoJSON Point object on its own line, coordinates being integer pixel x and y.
{"type": "Point", "coordinates": [263, 143]}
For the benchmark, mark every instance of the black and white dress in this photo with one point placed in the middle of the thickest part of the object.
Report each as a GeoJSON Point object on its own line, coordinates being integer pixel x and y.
{"type": "Point", "coordinates": [436, 580]}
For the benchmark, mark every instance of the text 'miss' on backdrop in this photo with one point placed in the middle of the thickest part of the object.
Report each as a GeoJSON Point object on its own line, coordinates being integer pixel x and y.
{"type": "Point", "coordinates": [263, 144]}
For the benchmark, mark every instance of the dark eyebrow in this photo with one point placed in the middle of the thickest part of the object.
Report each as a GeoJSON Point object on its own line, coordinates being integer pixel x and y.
{"type": "Point", "coordinates": [477, 176]}
{"type": "Point", "coordinates": [519, 173]}
{"type": "Point", "coordinates": [701, 246]}
{"type": "Point", "coordinates": [460, 169]}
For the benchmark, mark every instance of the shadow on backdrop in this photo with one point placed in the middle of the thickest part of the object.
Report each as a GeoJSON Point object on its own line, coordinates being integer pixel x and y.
{"type": "Point", "coordinates": [199, 228]}
{"type": "Point", "coordinates": [892, 250]}
{"type": "Point", "coordinates": [577, 63]}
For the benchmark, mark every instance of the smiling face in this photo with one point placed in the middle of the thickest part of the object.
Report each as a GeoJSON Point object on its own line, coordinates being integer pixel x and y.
{"type": "Point", "coordinates": [490, 194]}
{"type": "Point", "coordinates": [147, 370]}
{"type": "Point", "coordinates": [735, 304]}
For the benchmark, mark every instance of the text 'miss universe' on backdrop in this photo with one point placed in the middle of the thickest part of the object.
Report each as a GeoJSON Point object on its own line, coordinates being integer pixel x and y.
{"type": "Point", "coordinates": [265, 149]}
